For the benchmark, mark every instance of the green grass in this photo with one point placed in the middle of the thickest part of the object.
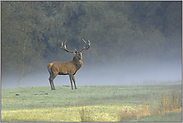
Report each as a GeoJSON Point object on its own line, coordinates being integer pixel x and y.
{"type": "Point", "coordinates": [167, 117]}
{"type": "Point", "coordinates": [99, 103]}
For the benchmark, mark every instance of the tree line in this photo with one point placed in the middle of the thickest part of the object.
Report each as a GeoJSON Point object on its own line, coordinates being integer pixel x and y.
{"type": "Point", "coordinates": [32, 32]}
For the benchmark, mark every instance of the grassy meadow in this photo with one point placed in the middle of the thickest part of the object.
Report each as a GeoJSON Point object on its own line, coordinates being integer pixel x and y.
{"type": "Point", "coordinates": [92, 104]}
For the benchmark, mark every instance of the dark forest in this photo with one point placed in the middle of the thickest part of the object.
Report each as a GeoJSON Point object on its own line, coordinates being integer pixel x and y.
{"type": "Point", "coordinates": [120, 33]}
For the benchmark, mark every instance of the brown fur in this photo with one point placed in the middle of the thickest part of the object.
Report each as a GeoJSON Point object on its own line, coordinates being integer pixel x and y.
{"type": "Point", "coordinates": [66, 68]}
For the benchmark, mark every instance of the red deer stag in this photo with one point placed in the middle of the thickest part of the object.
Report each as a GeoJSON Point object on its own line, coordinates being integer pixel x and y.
{"type": "Point", "coordinates": [67, 68]}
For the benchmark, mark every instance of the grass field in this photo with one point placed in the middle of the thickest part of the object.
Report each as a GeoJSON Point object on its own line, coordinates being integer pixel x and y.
{"type": "Point", "coordinates": [92, 103]}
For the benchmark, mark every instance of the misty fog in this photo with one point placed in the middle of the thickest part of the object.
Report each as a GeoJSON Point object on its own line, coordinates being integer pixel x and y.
{"type": "Point", "coordinates": [132, 43]}
{"type": "Point", "coordinates": [101, 75]}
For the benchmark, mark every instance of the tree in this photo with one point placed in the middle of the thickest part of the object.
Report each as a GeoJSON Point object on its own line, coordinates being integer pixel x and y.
{"type": "Point", "coordinates": [21, 36]}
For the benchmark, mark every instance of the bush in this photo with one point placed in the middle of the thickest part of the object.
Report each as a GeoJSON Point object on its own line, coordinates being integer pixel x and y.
{"type": "Point", "coordinates": [85, 115]}
{"type": "Point", "coordinates": [133, 113]}
{"type": "Point", "coordinates": [169, 103]}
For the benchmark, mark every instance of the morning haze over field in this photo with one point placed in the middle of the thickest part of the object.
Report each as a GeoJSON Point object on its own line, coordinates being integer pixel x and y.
{"type": "Point", "coordinates": [118, 75]}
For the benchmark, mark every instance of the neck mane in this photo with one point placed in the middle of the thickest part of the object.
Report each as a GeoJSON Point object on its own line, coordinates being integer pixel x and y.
{"type": "Point", "coordinates": [78, 63]}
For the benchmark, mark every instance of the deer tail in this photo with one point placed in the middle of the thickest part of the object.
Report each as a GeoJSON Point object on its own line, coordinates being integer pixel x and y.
{"type": "Point", "coordinates": [49, 67]}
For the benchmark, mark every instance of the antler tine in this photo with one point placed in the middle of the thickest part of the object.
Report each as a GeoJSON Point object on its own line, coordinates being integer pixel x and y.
{"type": "Point", "coordinates": [88, 42]}
{"type": "Point", "coordinates": [64, 47]}
{"type": "Point", "coordinates": [87, 46]}
{"type": "Point", "coordinates": [65, 44]}
{"type": "Point", "coordinates": [84, 42]}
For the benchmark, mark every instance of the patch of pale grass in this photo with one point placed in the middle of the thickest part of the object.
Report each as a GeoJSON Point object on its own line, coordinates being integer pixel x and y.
{"type": "Point", "coordinates": [169, 103]}
{"type": "Point", "coordinates": [85, 115]}
{"type": "Point", "coordinates": [42, 115]}
{"type": "Point", "coordinates": [128, 112]}
{"type": "Point", "coordinates": [61, 114]}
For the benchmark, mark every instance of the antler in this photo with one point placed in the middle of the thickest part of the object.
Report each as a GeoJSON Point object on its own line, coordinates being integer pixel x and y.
{"type": "Point", "coordinates": [64, 47]}
{"type": "Point", "coordinates": [87, 46]}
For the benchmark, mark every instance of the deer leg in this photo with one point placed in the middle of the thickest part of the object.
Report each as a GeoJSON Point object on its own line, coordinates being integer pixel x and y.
{"type": "Point", "coordinates": [51, 81]}
{"type": "Point", "coordinates": [53, 87]}
{"type": "Point", "coordinates": [73, 78]}
{"type": "Point", "coordinates": [70, 76]}
{"type": "Point", "coordinates": [51, 84]}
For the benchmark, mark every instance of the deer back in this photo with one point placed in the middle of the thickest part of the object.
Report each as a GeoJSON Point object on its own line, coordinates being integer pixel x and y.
{"type": "Point", "coordinates": [65, 68]}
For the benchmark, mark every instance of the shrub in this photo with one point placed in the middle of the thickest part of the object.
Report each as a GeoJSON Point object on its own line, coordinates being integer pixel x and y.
{"type": "Point", "coordinates": [169, 103]}
{"type": "Point", "coordinates": [133, 113]}
{"type": "Point", "coordinates": [85, 115]}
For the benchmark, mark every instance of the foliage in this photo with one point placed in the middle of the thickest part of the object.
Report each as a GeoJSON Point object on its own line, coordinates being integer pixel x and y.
{"type": "Point", "coordinates": [169, 103]}
{"type": "Point", "coordinates": [118, 31]}
{"type": "Point", "coordinates": [129, 113]}
{"type": "Point", "coordinates": [21, 35]}
{"type": "Point", "coordinates": [85, 115]}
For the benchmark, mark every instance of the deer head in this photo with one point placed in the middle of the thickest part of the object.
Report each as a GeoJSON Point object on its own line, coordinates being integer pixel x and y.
{"type": "Point", "coordinates": [78, 55]}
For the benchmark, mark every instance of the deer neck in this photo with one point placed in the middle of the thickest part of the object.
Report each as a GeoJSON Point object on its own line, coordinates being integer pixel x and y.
{"type": "Point", "coordinates": [78, 63]}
